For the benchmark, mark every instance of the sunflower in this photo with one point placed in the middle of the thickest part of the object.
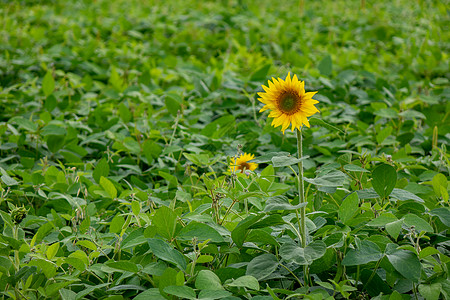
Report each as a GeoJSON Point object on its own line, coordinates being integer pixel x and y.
{"type": "Point", "coordinates": [288, 102]}
{"type": "Point", "coordinates": [242, 163]}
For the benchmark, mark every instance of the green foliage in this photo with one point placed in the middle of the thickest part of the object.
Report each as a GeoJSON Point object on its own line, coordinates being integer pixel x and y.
{"type": "Point", "coordinates": [117, 131]}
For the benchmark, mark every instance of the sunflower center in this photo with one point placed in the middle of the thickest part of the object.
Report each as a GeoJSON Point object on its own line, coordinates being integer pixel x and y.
{"type": "Point", "coordinates": [244, 166]}
{"type": "Point", "coordinates": [289, 102]}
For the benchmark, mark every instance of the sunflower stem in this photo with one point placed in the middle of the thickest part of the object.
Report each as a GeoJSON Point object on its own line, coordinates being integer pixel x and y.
{"type": "Point", "coordinates": [301, 194]}
{"type": "Point", "coordinates": [301, 197]}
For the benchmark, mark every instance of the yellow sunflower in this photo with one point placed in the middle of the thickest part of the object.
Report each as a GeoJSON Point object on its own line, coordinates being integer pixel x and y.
{"type": "Point", "coordinates": [288, 102]}
{"type": "Point", "coordinates": [241, 164]}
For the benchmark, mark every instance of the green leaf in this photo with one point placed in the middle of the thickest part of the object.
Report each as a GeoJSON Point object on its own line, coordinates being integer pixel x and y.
{"type": "Point", "coordinates": [211, 295]}
{"type": "Point", "coordinates": [183, 292]}
{"type": "Point", "coordinates": [404, 195]}
{"type": "Point", "coordinates": [262, 266]}
{"type": "Point", "coordinates": [173, 103]}
{"type": "Point", "coordinates": [164, 251]}
{"type": "Point", "coordinates": [52, 250]}
{"type": "Point", "coordinates": [284, 161]}
{"type": "Point", "coordinates": [440, 184]}
{"type": "Point", "coordinates": [443, 213]}
{"type": "Point", "coordinates": [109, 187]}
{"type": "Point", "coordinates": [246, 281]}
{"type": "Point", "coordinates": [268, 157]}
{"type": "Point", "coordinates": [291, 252]}
{"type": "Point", "coordinates": [281, 203]}
{"type": "Point", "coordinates": [430, 291]}
{"type": "Point", "coordinates": [406, 263]}
{"type": "Point", "coordinates": [116, 224]}
{"type": "Point", "coordinates": [418, 223]}
{"type": "Point", "coordinates": [332, 179]}
{"type": "Point", "coordinates": [87, 244]}
{"type": "Point", "coordinates": [101, 169]}
{"type": "Point", "coordinates": [427, 252]}
{"type": "Point", "coordinates": [55, 142]}
{"type": "Point", "coordinates": [123, 265]}
{"type": "Point", "coordinates": [200, 231]}
{"type": "Point", "coordinates": [354, 168]}
{"type": "Point", "coordinates": [349, 207]}
{"type": "Point", "coordinates": [367, 252]}
{"type": "Point", "coordinates": [240, 232]}
{"type": "Point", "coordinates": [261, 73]}
{"type": "Point", "coordinates": [382, 220]}
{"type": "Point", "coordinates": [46, 267]}
{"type": "Point", "coordinates": [207, 280]}
{"type": "Point", "coordinates": [272, 220]}
{"type": "Point", "coordinates": [384, 180]}
{"type": "Point", "coordinates": [48, 84]}
{"type": "Point", "coordinates": [322, 123]}
{"type": "Point", "coordinates": [165, 221]}
{"type": "Point", "coordinates": [394, 228]}
{"type": "Point", "coordinates": [325, 66]}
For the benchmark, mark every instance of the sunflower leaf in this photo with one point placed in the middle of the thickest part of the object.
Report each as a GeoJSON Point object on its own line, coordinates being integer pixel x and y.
{"type": "Point", "coordinates": [320, 122]}
{"type": "Point", "coordinates": [284, 161]}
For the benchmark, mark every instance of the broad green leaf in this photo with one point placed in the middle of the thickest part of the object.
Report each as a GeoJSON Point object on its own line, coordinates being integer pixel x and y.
{"type": "Point", "coordinates": [200, 231]}
{"type": "Point", "coordinates": [349, 207]}
{"type": "Point", "coordinates": [55, 142]}
{"type": "Point", "coordinates": [123, 265]}
{"type": "Point", "coordinates": [211, 294]}
{"type": "Point", "coordinates": [272, 220]}
{"type": "Point", "coordinates": [430, 291]}
{"type": "Point", "coordinates": [325, 66]}
{"type": "Point", "coordinates": [382, 220]}
{"type": "Point", "coordinates": [261, 73]}
{"type": "Point", "coordinates": [367, 252]}
{"type": "Point", "coordinates": [394, 228]}
{"type": "Point", "coordinates": [427, 252]}
{"type": "Point", "coordinates": [101, 169]}
{"type": "Point", "coordinates": [109, 187]}
{"type": "Point", "coordinates": [240, 232]}
{"type": "Point", "coordinates": [183, 292]}
{"type": "Point", "coordinates": [173, 103]}
{"type": "Point", "coordinates": [291, 252]}
{"type": "Point", "coordinates": [332, 179]}
{"type": "Point", "coordinates": [284, 161]}
{"type": "Point", "coordinates": [354, 168]}
{"type": "Point", "coordinates": [246, 281]}
{"type": "Point", "coordinates": [164, 251]}
{"type": "Point", "coordinates": [48, 268]}
{"type": "Point", "coordinates": [322, 123]}
{"type": "Point", "coordinates": [406, 263]}
{"type": "Point", "coordinates": [281, 203]}
{"type": "Point", "coordinates": [268, 157]}
{"type": "Point", "coordinates": [52, 250]}
{"type": "Point", "coordinates": [262, 266]}
{"type": "Point", "coordinates": [207, 280]}
{"type": "Point", "coordinates": [418, 223]}
{"type": "Point", "coordinates": [87, 244]}
{"type": "Point", "coordinates": [48, 83]}
{"type": "Point", "coordinates": [165, 221]}
{"type": "Point", "coordinates": [443, 213]}
{"type": "Point", "coordinates": [384, 180]}
{"type": "Point", "coordinates": [440, 184]}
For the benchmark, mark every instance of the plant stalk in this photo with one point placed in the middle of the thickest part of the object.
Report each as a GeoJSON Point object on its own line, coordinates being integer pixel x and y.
{"type": "Point", "coordinates": [301, 197]}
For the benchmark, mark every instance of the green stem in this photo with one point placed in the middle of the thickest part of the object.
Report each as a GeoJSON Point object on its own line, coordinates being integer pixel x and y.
{"type": "Point", "coordinates": [16, 252]}
{"type": "Point", "coordinates": [301, 197]}
{"type": "Point", "coordinates": [301, 194]}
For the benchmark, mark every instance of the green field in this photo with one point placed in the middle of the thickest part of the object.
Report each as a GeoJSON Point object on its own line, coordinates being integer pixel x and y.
{"type": "Point", "coordinates": [121, 123]}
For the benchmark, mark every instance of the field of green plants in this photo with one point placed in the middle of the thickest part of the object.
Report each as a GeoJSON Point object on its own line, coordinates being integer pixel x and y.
{"type": "Point", "coordinates": [123, 124]}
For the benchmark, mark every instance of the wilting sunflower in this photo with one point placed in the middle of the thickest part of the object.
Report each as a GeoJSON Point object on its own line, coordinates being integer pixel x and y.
{"type": "Point", "coordinates": [241, 164]}
{"type": "Point", "coordinates": [288, 102]}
